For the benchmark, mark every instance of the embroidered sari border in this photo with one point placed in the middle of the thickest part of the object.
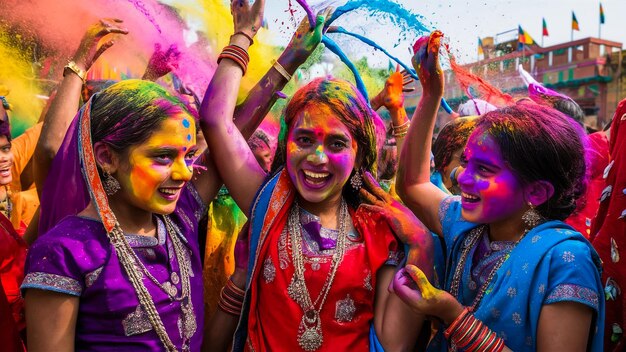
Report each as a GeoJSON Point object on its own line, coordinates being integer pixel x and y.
{"type": "Point", "coordinates": [52, 282]}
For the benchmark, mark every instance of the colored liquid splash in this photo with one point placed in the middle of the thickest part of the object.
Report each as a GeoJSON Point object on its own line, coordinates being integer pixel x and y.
{"type": "Point", "coordinates": [469, 81]}
{"type": "Point", "coordinates": [376, 46]}
{"type": "Point", "coordinates": [332, 46]}
{"type": "Point", "coordinates": [371, 43]}
{"type": "Point", "coordinates": [309, 12]}
{"type": "Point", "coordinates": [408, 22]}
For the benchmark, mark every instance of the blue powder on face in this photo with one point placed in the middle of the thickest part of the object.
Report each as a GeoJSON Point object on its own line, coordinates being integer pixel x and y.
{"type": "Point", "coordinates": [188, 137]}
{"type": "Point", "coordinates": [186, 123]}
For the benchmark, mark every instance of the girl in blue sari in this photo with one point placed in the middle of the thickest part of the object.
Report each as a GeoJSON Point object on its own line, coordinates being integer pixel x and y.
{"type": "Point", "coordinates": [517, 277]}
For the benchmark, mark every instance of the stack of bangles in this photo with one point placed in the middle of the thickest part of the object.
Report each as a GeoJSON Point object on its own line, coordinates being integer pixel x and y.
{"type": "Point", "coordinates": [231, 298]}
{"type": "Point", "coordinates": [237, 54]}
{"type": "Point", "coordinates": [470, 334]}
{"type": "Point", "coordinates": [402, 130]}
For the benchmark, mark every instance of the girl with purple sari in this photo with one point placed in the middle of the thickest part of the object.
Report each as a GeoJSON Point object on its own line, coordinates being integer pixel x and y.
{"type": "Point", "coordinates": [124, 272]}
{"type": "Point", "coordinates": [118, 264]}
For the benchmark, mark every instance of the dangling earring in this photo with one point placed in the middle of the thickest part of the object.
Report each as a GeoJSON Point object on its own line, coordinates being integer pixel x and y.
{"type": "Point", "coordinates": [356, 181]}
{"type": "Point", "coordinates": [110, 184]}
{"type": "Point", "coordinates": [532, 217]}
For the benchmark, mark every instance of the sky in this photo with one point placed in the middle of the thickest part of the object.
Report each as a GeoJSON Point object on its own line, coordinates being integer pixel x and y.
{"type": "Point", "coordinates": [462, 22]}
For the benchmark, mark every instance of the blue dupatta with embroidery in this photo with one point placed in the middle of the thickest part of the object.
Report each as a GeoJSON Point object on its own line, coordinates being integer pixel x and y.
{"type": "Point", "coordinates": [552, 263]}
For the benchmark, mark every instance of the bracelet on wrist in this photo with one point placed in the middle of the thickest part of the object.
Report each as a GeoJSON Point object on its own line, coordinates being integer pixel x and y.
{"type": "Point", "coordinates": [236, 54]}
{"type": "Point", "coordinates": [470, 334]}
{"type": "Point", "coordinates": [245, 35]}
{"type": "Point", "coordinates": [231, 298]}
{"type": "Point", "coordinates": [281, 69]}
{"type": "Point", "coordinates": [82, 74]}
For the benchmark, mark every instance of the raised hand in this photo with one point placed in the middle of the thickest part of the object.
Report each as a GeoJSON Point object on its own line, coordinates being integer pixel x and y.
{"type": "Point", "coordinates": [247, 18]}
{"type": "Point", "coordinates": [391, 96]}
{"type": "Point", "coordinates": [412, 286]}
{"type": "Point", "coordinates": [403, 222]}
{"type": "Point", "coordinates": [162, 62]}
{"type": "Point", "coordinates": [304, 41]}
{"type": "Point", "coordinates": [426, 63]}
{"type": "Point", "coordinates": [89, 50]}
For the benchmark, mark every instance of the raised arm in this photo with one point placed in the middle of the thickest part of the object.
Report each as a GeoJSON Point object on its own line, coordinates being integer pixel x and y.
{"type": "Point", "coordinates": [65, 104]}
{"type": "Point", "coordinates": [161, 62]}
{"type": "Point", "coordinates": [413, 179]}
{"type": "Point", "coordinates": [392, 98]}
{"type": "Point", "coordinates": [229, 150]}
{"type": "Point", "coordinates": [243, 185]}
{"type": "Point", "coordinates": [250, 113]}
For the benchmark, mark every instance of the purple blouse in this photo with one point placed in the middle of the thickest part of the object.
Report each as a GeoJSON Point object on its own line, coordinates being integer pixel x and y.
{"type": "Point", "coordinates": [76, 258]}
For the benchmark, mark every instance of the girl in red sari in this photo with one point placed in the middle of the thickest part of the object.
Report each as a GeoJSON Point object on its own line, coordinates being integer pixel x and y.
{"type": "Point", "coordinates": [320, 261]}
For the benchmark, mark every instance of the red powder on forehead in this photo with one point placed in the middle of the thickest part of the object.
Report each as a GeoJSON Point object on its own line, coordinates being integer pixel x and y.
{"type": "Point", "coordinates": [487, 92]}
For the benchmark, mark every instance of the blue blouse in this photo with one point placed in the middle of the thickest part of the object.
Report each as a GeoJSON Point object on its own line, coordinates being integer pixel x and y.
{"type": "Point", "coordinates": [552, 263]}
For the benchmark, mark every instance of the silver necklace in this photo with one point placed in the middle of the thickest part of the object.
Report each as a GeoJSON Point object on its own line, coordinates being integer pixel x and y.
{"type": "Point", "coordinates": [310, 335]}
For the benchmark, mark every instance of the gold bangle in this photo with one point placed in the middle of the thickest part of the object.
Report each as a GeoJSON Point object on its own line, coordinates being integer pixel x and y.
{"type": "Point", "coordinates": [281, 70]}
{"type": "Point", "coordinates": [400, 135]}
{"type": "Point", "coordinates": [405, 124]}
{"type": "Point", "coordinates": [82, 74]}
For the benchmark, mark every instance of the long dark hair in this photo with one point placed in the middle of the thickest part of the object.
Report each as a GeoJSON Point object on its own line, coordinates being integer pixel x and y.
{"type": "Point", "coordinates": [349, 106]}
{"type": "Point", "coordinates": [541, 143]}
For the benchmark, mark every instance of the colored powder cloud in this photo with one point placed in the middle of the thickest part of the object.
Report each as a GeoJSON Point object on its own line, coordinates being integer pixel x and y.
{"type": "Point", "coordinates": [19, 83]}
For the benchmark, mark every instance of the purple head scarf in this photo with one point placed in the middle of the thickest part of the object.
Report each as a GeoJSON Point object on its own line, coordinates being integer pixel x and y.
{"type": "Point", "coordinates": [64, 192]}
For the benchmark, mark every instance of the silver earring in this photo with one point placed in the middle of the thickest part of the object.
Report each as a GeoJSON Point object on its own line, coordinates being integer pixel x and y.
{"type": "Point", "coordinates": [110, 184]}
{"type": "Point", "coordinates": [532, 217]}
{"type": "Point", "coordinates": [356, 181]}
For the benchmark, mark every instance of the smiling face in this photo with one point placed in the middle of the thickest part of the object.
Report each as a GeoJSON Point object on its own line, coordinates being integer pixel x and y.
{"type": "Point", "coordinates": [321, 154]}
{"type": "Point", "coordinates": [491, 192]}
{"type": "Point", "coordinates": [6, 161]}
{"type": "Point", "coordinates": [155, 171]}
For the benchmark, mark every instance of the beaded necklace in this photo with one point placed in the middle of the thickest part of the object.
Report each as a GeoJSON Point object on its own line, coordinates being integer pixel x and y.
{"type": "Point", "coordinates": [130, 262]}
{"type": "Point", "coordinates": [310, 336]}
{"type": "Point", "coordinates": [470, 241]}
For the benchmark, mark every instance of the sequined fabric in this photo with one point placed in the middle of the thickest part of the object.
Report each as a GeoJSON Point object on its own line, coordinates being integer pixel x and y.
{"type": "Point", "coordinates": [76, 258]}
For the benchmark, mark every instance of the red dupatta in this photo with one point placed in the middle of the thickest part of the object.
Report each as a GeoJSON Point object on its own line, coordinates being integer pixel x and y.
{"type": "Point", "coordinates": [12, 258]}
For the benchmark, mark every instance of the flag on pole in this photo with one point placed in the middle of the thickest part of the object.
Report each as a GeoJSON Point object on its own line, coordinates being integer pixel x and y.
{"type": "Point", "coordinates": [480, 46]}
{"type": "Point", "coordinates": [545, 29]}
{"type": "Point", "coordinates": [574, 22]}
{"type": "Point", "coordinates": [523, 38]}
{"type": "Point", "coordinates": [601, 14]}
